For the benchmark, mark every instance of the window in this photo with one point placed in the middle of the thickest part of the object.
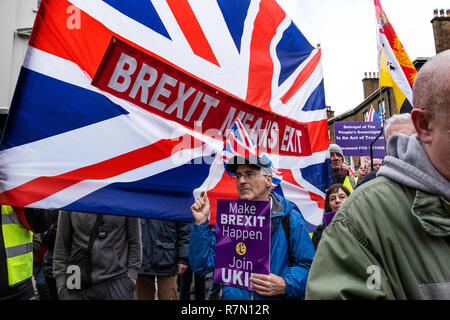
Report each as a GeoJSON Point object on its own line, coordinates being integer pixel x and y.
{"type": "Point", "coordinates": [366, 115]}
{"type": "Point", "coordinates": [382, 106]}
{"type": "Point", "coordinates": [347, 160]}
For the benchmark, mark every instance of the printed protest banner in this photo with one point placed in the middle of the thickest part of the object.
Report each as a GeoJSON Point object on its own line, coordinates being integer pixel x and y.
{"type": "Point", "coordinates": [243, 241]}
{"type": "Point", "coordinates": [355, 137]}
{"type": "Point", "coordinates": [120, 99]}
{"type": "Point", "coordinates": [135, 76]}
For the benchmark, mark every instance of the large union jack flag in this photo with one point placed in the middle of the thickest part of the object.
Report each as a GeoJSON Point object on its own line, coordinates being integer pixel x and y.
{"type": "Point", "coordinates": [239, 143]}
{"type": "Point", "coordinates": [132, 145]}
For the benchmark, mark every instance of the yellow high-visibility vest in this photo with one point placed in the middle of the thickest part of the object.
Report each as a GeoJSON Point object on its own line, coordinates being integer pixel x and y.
{"type": "Point", "coordinates": [350, 183]}
{"type": "Point", "coordinates": [18, 242]}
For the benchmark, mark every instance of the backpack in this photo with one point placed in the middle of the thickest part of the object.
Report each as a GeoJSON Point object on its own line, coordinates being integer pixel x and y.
{"type": "Point", "coordinates": [286, 224]}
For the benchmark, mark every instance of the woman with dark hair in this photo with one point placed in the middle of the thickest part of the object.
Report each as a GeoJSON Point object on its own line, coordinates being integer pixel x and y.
{"type": "Point", "coordinates": [334, 198]}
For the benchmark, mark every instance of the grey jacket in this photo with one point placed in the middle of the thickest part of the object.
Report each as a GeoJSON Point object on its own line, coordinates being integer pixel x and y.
{"type": "Point", "coordinates": [120, 253]}
{"type": "Point", "coordinates": [408, 164]}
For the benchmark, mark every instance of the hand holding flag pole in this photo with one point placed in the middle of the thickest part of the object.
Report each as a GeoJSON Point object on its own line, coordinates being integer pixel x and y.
{"type": "Point", "coordinates": [200, 209]}
{"type": "Point", "coordinates": [237, 143]}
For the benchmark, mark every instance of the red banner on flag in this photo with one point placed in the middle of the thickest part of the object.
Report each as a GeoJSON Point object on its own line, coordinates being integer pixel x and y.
{"type": "Point", "coordinates": [132, 75]}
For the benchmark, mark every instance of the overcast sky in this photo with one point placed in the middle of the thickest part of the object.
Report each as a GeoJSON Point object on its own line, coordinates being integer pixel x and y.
{"type": "Point", "coordinates": [346, 30]}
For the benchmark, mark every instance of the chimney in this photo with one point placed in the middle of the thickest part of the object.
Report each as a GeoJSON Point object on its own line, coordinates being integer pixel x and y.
{"type": "Point", "coordinates": [441, 29]}
{"type": "Point", "coordinates": [370, 83]}
{"type": "Point", "coordinates": [330, 113]}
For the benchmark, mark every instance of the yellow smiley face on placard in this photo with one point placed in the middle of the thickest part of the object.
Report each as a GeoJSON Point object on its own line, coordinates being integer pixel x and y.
{"type": "Point", "coordinates": [241, 248]}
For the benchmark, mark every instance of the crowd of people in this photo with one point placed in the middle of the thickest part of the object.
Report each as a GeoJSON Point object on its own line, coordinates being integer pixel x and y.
{"type": "Point", "coordinates": [385, 232]}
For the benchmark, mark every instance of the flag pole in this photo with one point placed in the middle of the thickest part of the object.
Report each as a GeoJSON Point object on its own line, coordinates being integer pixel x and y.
{"type": "Point", "coordinates": [212, 177]}
{"type": "Point", "coordinates": [371, 147]}
{"type": "Point", "coordinates": [379, 135]}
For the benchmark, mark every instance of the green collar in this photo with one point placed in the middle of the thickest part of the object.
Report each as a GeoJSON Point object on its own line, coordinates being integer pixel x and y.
{"type": "Point", "coordinates": [446, 204]}
{"type": "Point", "coordinates": [433, 213]}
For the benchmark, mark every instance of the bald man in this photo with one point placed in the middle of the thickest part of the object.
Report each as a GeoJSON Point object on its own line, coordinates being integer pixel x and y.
{"type": "Point", "coordinates": [391, 238]}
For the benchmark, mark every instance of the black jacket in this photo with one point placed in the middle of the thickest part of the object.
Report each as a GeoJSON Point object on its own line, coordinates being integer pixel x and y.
{"type": "Point", "coordinates": [318, 235]}
{"type": "Point", "coordinates": [371, 175]}
{"type": "Point", "coordinates": [339, 177]}
{"type": "Point", "coordinates": [165, 244]}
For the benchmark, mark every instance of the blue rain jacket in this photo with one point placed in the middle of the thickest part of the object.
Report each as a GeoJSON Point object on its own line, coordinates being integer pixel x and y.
{"type": "Point", "coordinates": [295, 273]}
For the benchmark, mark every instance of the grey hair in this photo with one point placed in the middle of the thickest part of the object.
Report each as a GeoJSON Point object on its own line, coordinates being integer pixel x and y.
{"type": "Point", "coordinates": [397, 118]}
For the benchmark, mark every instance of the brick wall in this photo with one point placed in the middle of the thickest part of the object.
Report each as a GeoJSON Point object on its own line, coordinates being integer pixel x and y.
{"type": "Point", "coordinates": [370, 83]}
{"type": "Point", "coordinates": [441, 29]}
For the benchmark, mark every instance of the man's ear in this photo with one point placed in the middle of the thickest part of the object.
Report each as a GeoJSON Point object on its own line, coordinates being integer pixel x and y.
{"type": "Point", "coordinates": [421, 120]}
{"type": "Point", "coordinates": [268, 181]}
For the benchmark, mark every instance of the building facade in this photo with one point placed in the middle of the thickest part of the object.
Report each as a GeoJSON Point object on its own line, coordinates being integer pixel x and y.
{"type": "Point", "coordinates": [441, 29]}
{"type": "Point", "coordinates": [16, 21]}
{"type": "Point", "coordinates": [383, 98]}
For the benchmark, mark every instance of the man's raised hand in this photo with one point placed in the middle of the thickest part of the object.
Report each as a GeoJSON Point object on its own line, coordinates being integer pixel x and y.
{"type": "Point", "coordinates": [200, 209]}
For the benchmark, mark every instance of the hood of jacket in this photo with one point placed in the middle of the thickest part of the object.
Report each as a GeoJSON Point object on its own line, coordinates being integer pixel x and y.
{"type": "Point", "coordinates": [407, 163]}
{"type": "Point", "coordinates": [280, 204]}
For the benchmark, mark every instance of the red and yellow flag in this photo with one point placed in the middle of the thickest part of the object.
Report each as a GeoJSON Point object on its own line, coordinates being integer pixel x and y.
{"type": "Point", "coordinates": [396, 69]}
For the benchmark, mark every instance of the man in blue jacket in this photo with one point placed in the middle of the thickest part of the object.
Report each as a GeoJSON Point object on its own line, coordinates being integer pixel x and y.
{"type": "Point", "coordinates": [289, 263]}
